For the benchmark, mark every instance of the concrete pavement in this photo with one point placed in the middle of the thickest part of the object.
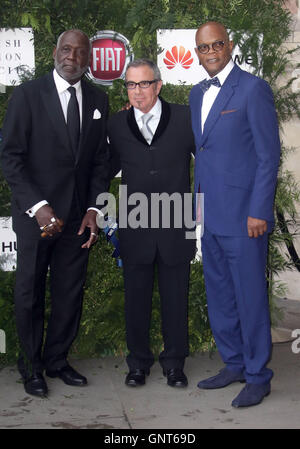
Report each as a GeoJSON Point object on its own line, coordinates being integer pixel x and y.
{"type": "Point", "coordinates": [107, 403]}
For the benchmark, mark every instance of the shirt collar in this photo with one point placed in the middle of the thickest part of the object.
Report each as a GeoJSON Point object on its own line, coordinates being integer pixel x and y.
{"type": "Point", "coordinates": [62, 84]}
{"type": "Point", "coordinates": [224, 72]}
{"type": "Point", "coordinates": [155, 111]}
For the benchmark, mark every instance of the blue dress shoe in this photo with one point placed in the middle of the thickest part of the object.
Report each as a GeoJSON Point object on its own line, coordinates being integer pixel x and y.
{"type": "Point", "coordinates": [252, 394]}
{"type": "Point", "coordinates": [221, 380]}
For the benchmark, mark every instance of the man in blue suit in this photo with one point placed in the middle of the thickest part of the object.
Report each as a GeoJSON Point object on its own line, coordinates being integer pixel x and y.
{"type": "Point", "coordinates": [237, 156]}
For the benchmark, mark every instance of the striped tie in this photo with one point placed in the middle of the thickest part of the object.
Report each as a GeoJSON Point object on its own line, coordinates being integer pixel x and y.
{"type": "Point", "coordinates": [146, 130]}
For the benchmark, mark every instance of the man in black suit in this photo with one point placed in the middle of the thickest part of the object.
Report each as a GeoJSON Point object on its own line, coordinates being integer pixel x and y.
{"type": "Point", "coordinates": [152, 143]}
{"type": "Point", "coordinates": [54, 159]}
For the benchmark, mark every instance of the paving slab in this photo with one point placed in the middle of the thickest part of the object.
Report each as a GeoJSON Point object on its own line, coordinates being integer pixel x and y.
{"type": "Point", "coordinates": [107, 403]}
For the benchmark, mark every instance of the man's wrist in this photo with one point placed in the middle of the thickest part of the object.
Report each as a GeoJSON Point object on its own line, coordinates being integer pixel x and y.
{"type": "Point", "coordinates": [96, 210]}
{"type": "Point", "coordinates": [33, 210]}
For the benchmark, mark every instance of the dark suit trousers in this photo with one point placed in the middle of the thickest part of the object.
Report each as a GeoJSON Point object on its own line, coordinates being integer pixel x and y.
{"type": "Point", "coordinates": [173, 288]}
{"type": "Point", "coordinates": [67, 262]}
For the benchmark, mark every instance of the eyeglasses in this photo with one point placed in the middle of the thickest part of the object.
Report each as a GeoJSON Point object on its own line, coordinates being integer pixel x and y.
{"type": "Point", "coordinates": [216, 46]}
{"type": "Point", "coordinates": [141, 84]}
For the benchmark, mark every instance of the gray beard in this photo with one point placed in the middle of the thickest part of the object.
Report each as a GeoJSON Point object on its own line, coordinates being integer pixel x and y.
{"type": "Point", "coordinates": [76, 75]}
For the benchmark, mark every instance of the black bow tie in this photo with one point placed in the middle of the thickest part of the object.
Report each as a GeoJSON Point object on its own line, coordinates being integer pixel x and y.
{"type": "Point", "coordinates": [205, 84]}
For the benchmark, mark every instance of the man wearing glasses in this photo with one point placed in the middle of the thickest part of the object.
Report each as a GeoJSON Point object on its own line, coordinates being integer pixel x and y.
{"type": "Point", "coordinates": [237, 156]}
{"type": "Point", "coordinates": [152, 143]}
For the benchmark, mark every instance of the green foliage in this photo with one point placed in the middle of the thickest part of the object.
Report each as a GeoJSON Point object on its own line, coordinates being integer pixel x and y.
{"type": "Point", "coordinates": [102, 326]}
{"type": "Point", "coordinates": [200, 336]}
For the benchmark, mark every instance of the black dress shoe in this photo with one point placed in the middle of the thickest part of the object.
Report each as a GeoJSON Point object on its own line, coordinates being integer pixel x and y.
{"type": "Point", "coordinates": [136, 377]}
{"type": "Point", "coordinates": [176, 377]}
{"type": "Point", "coordinates": [36, 385]}
{"type": "Point", "coordinates": [69, 376]}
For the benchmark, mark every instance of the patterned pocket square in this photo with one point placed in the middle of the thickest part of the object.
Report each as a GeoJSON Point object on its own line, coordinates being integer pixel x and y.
{"type": "Point", "coordinates": [228, 112]}
{"type": "Point", "coordinates": [97, 114]}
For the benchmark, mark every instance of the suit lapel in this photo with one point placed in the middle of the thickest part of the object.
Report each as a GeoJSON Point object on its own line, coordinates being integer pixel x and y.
{"type": "Point", "coordinates": [53, 107]}
{"type": "Point", "coordinates": [195, 101]}
{"type": "Point", "coordinates": [87, 115]}
{"type": "Point", "coordinates": [162, 125]}
{"type": "Point", "coordinates": [226, 92]}
{"type": "Point", "coordinates": [199, 115]}
{"type": "Point", "coordinates": [134, 127]}
{"type": "Point", "coordinates": [164, 120]}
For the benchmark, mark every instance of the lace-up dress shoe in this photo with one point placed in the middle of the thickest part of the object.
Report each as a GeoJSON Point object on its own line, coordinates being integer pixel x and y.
{"type": "Point", "coordinates": [221, 380]}
{"type": "Point", "coordinates": [136, 377]}
{"type": "Point", "coordinates": [36, 385]}
{"type": "Point", "coordinates": [251, 394]}
{"type": "Point", "coordinates": [69, 376]}
{"type": "Point", "coordinates": [176, 377]}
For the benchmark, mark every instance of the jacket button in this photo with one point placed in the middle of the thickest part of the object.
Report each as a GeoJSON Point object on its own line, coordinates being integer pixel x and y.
{"type": "Point", "coordinates": [201, 149]}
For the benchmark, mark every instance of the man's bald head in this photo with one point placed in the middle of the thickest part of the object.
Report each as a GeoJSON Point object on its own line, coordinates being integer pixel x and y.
{"type": "Point", "coordinates": [213, 59]}
{"type": "Point", "coordinates": [213, 24]}
{"type": "Point", "coordinates": [72, 55]}
{"type": "Point", "coordinates": [76, 31]}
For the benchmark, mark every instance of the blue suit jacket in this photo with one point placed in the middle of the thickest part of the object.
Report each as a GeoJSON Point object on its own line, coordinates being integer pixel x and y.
{"type": "Point", "coordinates": [237, 155]}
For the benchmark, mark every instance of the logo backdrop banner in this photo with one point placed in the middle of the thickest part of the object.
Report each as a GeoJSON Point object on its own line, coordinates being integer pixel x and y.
{"type": "Point", "coordinates": [111, 53]}
{"type": "Point", "coordinates": [178, 61]}
{"type": "Point", "coordinates": [16, 55]}
{"type": "Point", "coordinates": [8, 245]}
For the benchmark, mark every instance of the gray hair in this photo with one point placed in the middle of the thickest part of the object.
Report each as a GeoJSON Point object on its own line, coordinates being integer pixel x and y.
{"type": "Point", "coordinates": [143, 61]}
{"type": "Point", "coordinates": [74, 31]}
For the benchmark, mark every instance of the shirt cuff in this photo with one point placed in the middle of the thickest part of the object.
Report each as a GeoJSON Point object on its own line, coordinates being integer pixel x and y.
{"type": "Point", "coordinates": [31, 212]}
{"type": "Point", "coordinates": [97, 210]}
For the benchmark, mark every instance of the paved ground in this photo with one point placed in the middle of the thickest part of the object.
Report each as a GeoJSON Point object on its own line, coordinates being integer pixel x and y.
{"type": "Point", "coordinates": [107, 403]}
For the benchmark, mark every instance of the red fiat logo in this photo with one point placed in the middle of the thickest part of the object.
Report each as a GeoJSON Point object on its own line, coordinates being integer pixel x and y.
{"type": "Point", "coordinates": [111, 54]}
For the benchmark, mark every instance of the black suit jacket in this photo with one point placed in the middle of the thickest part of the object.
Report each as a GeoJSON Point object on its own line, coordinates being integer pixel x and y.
{"type": "Point", "coordinates": [37, 158]}
{"type": "Point", "coordinates": [163, 166]}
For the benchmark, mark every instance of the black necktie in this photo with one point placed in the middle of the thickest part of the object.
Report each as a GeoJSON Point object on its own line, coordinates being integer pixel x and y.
{"type": "Point", "coordinates": [205, 84]}
{"type": "Point", "coordinates": [73, 120]}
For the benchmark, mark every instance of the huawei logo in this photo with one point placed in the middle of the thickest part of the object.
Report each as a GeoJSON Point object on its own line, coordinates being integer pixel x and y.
{"type": "Point", "coordinates": [178, 55]}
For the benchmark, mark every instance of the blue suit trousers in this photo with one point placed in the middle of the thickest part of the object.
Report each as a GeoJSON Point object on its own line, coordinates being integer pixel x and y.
{"type": "Point", "coordinates": [238, 307]}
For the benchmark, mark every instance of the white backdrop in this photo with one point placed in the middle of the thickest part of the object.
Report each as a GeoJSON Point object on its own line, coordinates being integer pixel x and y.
{"type": "Point", "coordinates": [16, 54]}
{"type": "Point", "coordinates": [8, 245]}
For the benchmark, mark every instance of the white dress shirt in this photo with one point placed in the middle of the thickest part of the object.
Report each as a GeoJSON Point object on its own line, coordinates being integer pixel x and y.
{"type": "Point", "coordinates": [64, 96]}
{"type": "Point", "coordinates": [211, 94]}
{"type": "Point", "coordinates": [153, 123]}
